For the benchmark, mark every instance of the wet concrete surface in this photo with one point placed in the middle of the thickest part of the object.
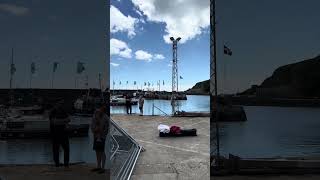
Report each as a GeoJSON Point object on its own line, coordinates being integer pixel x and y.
{"type": "Point", "coordinates": [169, 158]}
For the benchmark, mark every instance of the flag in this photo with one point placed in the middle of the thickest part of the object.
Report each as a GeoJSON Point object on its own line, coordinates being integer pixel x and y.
{"type": "Point", "coordinates": [148, 84]}
{"type": "Point", "coordinates": [145, 83]}
{"type": "Point", "coordinates": [163, 82]}
{"type": "Point", "coordinates": [134, 82]}
{"type": "Point", "coordinates": [13, 69]}
{"type": "Point", "coordinates": [227, 50]}
{"type": "Point", "coordinates": [120, 83]}
{"type": "Point", "coordinates": [55, 66]}
{"type": "Point", "coordinates": [33, 68]}
{"type": "Point", "coordinates": [80, 67]}
{"type": "Point", "coordinates": [127, 82]}
{"type": "Point", "coordinates": [114, 83]}
{"type": "Point", "coordinates": [181, 77]}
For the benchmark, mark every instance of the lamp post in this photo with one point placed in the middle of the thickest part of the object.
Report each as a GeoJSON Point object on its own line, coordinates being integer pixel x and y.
{"type": "Point", "coordinates": [175, 76]}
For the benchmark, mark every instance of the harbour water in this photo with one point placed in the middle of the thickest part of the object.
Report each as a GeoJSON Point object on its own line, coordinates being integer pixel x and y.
{"type": "Point", "coordinates": [193, 103]}
{"type": "Point", "coordinates": [273, 132]}
{"type": "Point", "coordinates": [39, 151]}
{"type": "Point", "coordinates": [269, 132]}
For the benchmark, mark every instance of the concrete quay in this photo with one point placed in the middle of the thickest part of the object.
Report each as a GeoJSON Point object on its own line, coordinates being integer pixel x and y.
{"type": "Point", "coordinates": [169, 158]}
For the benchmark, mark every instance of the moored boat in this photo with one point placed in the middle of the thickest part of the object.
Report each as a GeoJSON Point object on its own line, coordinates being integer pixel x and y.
{"type": "Point", "coordinates": [30, 122]}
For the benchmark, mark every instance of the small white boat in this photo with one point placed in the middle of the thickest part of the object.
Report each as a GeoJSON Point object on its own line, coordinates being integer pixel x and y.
{"type": "Point", "coordinates": [117, 100]}
{"type": "Point", "coordinates": [120, 100]}
{"type": "Point", "coordinates": [33, 121]}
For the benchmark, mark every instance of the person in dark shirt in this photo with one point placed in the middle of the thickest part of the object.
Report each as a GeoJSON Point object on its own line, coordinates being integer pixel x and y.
{"type": "Point", "coordinates": [128, 104]}
{"type": "Point", "coordinates": [59, 120]}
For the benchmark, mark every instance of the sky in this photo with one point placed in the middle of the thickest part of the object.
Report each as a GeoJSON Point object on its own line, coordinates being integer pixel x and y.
{"type": "Point", "coordinates": [263, 35]}
{"type": "Point", "coordinates": [45, 31]}
{"type": "Point", "coordinates": [140, 48]}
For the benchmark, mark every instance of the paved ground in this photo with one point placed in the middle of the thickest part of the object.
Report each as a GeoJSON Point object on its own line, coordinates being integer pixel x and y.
{"type": "Point", "coordinates": [49, 172]}
{"type": "Point", "coordinates": [297, 177]}
{"type": "Point", "coordinates": [169, 158]}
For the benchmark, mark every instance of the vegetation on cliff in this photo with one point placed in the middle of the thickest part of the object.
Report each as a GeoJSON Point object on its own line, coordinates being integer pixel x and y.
{"type": "Point", "coordinates": [202, 87]}
{"type": "Point", "coordinates": [301, 79]}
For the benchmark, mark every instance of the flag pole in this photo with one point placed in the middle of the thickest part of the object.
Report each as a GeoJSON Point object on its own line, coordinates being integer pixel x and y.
{"type": "Point", "coordinates": [11, 70]}
{"type": "Point", "coordinates": [30, 74]}
{"type": "Point", "coordinates": [30, 80]}
{"type": "Point", "coordinates": [11, 77]}
{"type": "Point", "coordinates": [213, 46]}
{"type": "Point", "coordinates": [52, 79]}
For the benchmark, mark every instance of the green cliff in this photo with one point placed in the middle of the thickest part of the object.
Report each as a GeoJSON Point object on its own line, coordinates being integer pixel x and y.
{"type": "Point", "coordinates": [200, 88]}
{"type": "Point", "coordinates": [301, 79]}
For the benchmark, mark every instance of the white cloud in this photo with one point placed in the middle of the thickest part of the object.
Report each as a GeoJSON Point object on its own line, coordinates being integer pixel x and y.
{"type": "Point", "coordinates": [158, 56]}
{"type": "Point", "coordinates": [121, 23]}
{"type": "Point", "coordinates": [143, 55]}
{"type": "Point", "coordinates": [120, 48]}
{"type": "Point", "coordinates": [170, 65]}
{"type": "Point", "coordinates": [138, 12]}
{"type": "Point", "coordinates": [183, 18]}
{"type": "Point", "coordinates": [114, 64]}
{"type": "Point", "coordinates": [14, 9]}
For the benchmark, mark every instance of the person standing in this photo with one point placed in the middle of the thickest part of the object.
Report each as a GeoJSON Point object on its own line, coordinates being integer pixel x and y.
{"type": "Point", "coordinates": [128, 105]}
{"type": "Point", "coordinates": [59, 120]}
{"type": "Point", "coordinates": [99, 128]}
{"type": "Point", "coordinates": [141, 102]}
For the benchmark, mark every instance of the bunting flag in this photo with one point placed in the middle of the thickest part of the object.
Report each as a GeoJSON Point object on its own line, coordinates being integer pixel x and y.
{"type": "Point", "coordinates": [80, 67]}
{"type": "Point", "coordinates": [181, 77]}
{"type": "Point", "coordinates": [33, 68]}
{"type": "Point", "coordinates": [13, 69]}
{"type": "Point", "coordinates": [227, 50]}
{"type": "Point", "coordinates": [55, 66]}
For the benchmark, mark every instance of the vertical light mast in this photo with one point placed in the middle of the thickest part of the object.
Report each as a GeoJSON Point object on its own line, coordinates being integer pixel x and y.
{"type": "Point", "coordinates": [215, 144]}
{"type": "Point", "coordinates": [175, 76]}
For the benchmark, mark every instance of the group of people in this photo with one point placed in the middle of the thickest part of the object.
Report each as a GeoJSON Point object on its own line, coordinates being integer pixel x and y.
{"type": "Point", "coordinates": [129, 104]}
{"type": "Point", "coordinates": [59, 120]}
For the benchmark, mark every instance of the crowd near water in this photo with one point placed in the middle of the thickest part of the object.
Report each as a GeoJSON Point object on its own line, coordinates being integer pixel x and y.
{"type": "Point", "coordinates": [162, 107]}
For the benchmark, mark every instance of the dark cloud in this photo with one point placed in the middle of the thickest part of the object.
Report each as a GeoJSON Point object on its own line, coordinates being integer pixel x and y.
{"type": "Point", "coordinates": [14, 9]}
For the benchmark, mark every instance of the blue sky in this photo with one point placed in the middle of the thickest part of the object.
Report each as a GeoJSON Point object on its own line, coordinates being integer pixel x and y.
{"type": "Point", "coordinates": [140, 49]}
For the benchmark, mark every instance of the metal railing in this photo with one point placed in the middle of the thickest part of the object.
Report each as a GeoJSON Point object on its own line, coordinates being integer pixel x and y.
{"type": "Point", "coordinates": [153, 106]}
{"type": "Point", "coordinates": [124, 153]}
